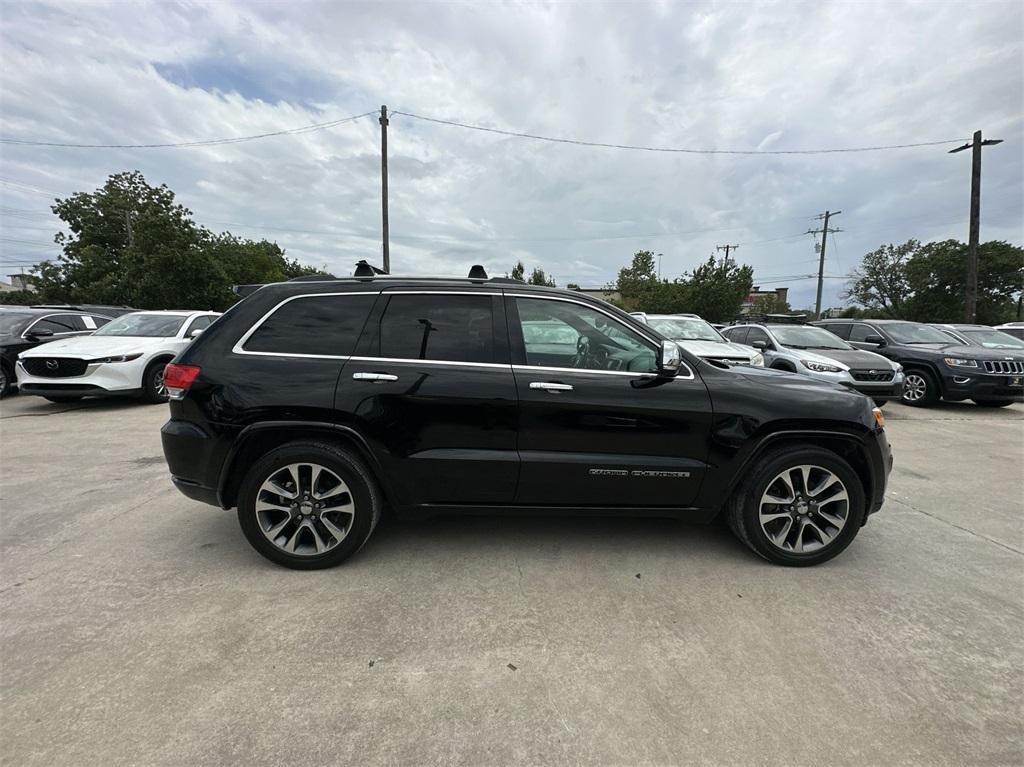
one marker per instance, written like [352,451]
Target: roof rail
[775,319]
[313,278]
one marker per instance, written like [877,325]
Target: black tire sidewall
[931,389]
[355,474]
[7,387]
[149,392]
[766,471]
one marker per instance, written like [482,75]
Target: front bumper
[99,379]
[880,459]
[967,384]
[881,391]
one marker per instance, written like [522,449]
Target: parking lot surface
[138,627]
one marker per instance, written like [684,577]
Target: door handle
[378,377]
[549,386]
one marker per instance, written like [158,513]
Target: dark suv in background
[936,365]
[311,405]
[25,327]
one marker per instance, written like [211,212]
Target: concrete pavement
[138,627]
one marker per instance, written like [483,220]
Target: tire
[6,380]
[920,389]
[273,469]
[992,402]
[62,400]
[744,507]
[153,389]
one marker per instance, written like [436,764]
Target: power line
[182,144]
[580,142]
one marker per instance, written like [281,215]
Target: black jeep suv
[310,406]
[936,365]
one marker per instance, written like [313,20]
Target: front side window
[756,334]
[860,332]
[318,325]
[568,335]
[200,323]
[445,328]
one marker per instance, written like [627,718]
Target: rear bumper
[191,457]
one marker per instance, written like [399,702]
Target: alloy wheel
[803,509]
[304,509]
[914,387]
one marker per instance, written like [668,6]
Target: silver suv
[814,352]
[698,337]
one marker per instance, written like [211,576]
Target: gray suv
[814,352]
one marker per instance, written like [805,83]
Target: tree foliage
[130,243]
[926,282]
[769,304]
[537,275]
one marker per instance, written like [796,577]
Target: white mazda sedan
[125,356]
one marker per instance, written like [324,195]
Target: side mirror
[39,335]
[669,359]
[760,345]
[195,333]
[873,339]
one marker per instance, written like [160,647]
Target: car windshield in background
[685,329]
[993,339]
[909,333]
[145,325]
[807,337]
[12,323]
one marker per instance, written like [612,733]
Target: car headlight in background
[820,367]
[960,362]
[899,369]
[116,358]
[758,360]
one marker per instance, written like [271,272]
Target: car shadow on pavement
[941,409]
[31,405]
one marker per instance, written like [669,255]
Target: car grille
[54,367]
[732,360]
[872,375]
[1004,366]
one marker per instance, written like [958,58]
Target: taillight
[179,378]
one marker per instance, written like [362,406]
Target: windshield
[807,337]
[147,325]
[685,329]
[912,333]
[12,323]
[992,339]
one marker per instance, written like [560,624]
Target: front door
[596,427]
[431,386]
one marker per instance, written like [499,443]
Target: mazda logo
[51,364]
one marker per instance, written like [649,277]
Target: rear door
[431,386]
[596,427]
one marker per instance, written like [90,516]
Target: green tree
[770,304]
[716,291]
[537,277]
[637,279]
[880,282]
[519,272]
[937,276]
[130,243]
[19,297]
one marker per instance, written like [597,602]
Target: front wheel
[992,402]
[920,389]
[798,506]
[308,505]
[153,388]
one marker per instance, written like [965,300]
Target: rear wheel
[308,505]
[992,402]
[153,388]
[798,506]
[920,389]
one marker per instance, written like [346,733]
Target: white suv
[125,356]
[698,337]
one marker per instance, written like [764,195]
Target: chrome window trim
[238,348]
[566,299]
[631,373]
[406,360]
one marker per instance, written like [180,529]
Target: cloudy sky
[740,76]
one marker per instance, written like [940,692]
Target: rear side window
[841,329]
[736,335]
[453,328]
[321,325]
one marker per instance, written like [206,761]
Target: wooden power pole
[727,249]
[971,289]
[821,259]
[386,234]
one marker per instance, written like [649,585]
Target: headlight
[820,367]
[960,362]
[757,359]
[118,358]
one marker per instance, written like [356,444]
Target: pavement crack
[520,582]
[41,415]
[958,527]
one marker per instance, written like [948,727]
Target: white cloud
[696,75]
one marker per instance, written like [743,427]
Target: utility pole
[824,231]
[128,222]
[384,187]
[659,265]
[971,290]
[726,248]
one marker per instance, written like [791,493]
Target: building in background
[779,294]
[18,282]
